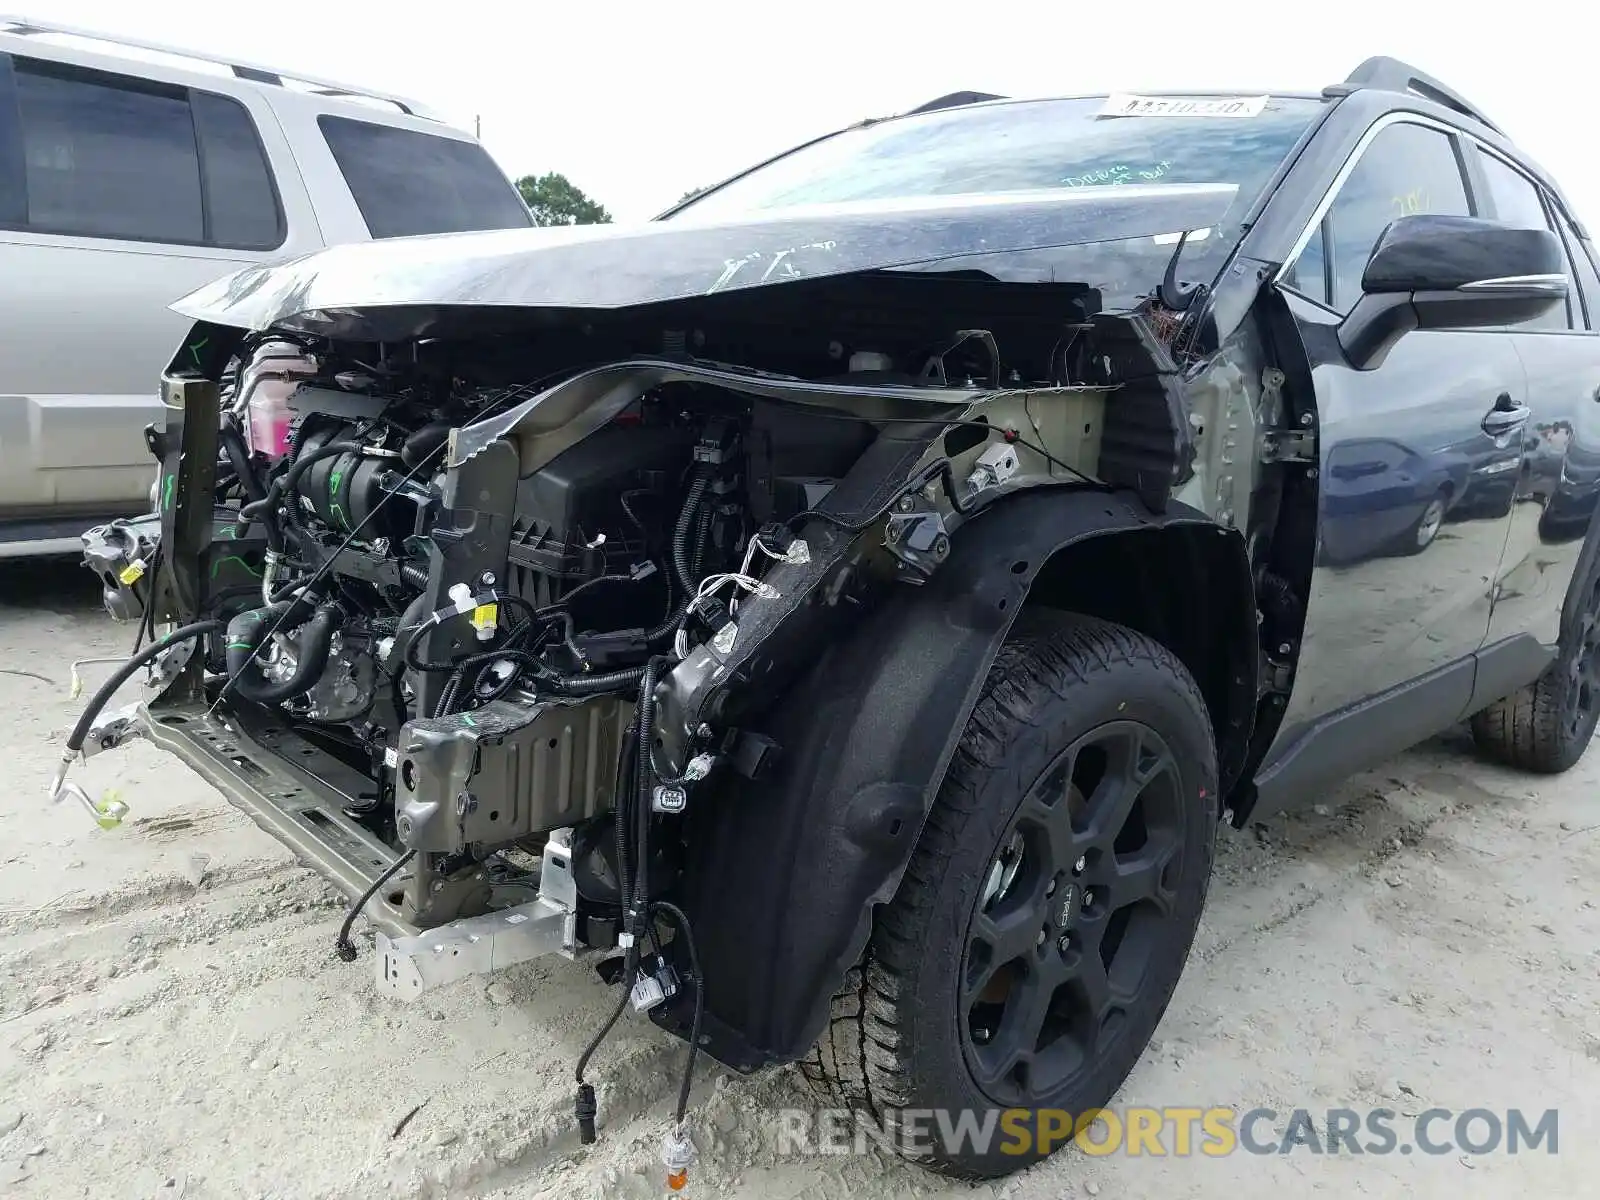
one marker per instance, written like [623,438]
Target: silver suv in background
[132,173]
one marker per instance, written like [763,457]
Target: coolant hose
[125,672]
[681,533]
[239,455]
[248,630]
[414,576]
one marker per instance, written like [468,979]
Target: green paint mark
[238,645]
[248,569]
[466,720]
[195,349]
[166,491]
[227,531]
[338,517]
[333,482]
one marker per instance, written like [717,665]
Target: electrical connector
[677,1155]
[586,1108]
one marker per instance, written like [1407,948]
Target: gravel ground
[174,1023]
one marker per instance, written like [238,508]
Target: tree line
[553,199]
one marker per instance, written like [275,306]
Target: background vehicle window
[13,199]
[105,160]
[241,202]
[407,183]
[1405,170]
[1519,202]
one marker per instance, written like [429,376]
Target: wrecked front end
[566,616]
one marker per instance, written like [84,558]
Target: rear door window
[1519,202]
[1581,251]
[241,198]
[406,182]
[91,154]
[108,160]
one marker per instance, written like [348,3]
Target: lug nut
[1050,888]
[1039,941]
[1088,898]
[1065,944]
[1077,867]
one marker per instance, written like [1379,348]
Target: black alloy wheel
[1071,912]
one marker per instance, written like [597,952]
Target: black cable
[681,919]
[681,531]
[342,945]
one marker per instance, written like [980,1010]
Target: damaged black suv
[846,606]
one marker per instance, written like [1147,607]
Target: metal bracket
[1289,446]
[409,966]
[112,728]
[915,533]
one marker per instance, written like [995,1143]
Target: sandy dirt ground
[174,1023]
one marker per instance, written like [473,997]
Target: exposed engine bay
[499,625]
[468,629]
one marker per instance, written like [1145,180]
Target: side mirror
[1435,272]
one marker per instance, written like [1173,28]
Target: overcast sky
[639,102]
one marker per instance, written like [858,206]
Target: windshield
[407,183]
[1034,145]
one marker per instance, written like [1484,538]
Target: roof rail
[953,100]
[1392,75]
[253,72]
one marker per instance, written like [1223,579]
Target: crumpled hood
[339,291]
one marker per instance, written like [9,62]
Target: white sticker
[391,757]
[1124,105]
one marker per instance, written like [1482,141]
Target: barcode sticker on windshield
[1123,105]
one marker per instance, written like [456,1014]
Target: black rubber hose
[680,533]
[125,672]
[424,443]
[248,630]
[342,945]
[239,456]
[414,576]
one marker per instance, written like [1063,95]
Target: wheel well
[1189,588]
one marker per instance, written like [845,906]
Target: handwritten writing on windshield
[1118,173]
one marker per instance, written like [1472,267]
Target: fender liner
[783,875]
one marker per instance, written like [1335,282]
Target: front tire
[1049,906]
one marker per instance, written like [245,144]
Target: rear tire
[1546,726]
[1041,926]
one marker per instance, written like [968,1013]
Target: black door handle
[1507,416]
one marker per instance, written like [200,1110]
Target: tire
[1067,696]
[1546,726]
[1421,532]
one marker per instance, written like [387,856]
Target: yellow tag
[132,573]
[485,615]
